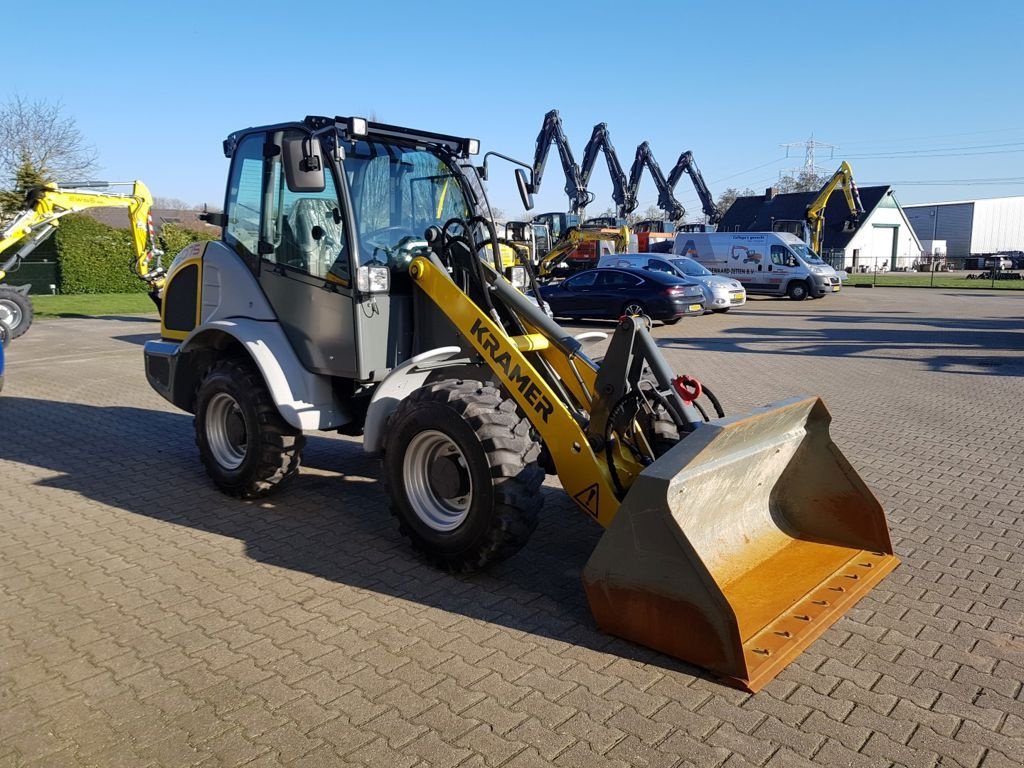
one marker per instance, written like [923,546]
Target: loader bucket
[741,545]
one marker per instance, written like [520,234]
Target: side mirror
[303,165]
[525,192]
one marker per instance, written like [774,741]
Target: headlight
[372,279]
[694,291]
[517,276]
[818,270]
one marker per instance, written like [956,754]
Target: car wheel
[634,309]
[720,311]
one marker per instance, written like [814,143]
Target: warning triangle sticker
[589,499]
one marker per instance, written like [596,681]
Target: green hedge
[93,257]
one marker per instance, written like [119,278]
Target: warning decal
[589,498]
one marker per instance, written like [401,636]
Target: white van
[772,263]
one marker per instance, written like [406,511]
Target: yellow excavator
[43,210]
[812,228]
[576,237]
[340,300]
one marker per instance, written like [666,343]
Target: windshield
[397,193]
[805,253]
[692,268]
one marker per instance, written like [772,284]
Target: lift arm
[686,164]
[843,177]
[45,206]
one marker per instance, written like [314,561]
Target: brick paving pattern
[147,620]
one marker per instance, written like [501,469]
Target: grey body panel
[229,288]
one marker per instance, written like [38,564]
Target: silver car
[720,293]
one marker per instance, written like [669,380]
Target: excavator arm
[574,238]
[686,164]
[843,178]
[673,209]
[600,141]
[45,206]
[551,133]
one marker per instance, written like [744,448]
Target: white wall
[998,225]
[875,243]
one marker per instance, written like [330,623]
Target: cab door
[301,257]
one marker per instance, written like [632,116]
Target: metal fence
[931,273]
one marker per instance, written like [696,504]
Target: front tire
[15,311]
[460,466]
[248,449]
[798,290]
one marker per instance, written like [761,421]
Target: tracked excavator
[44,208]
[811,229]
[342,297]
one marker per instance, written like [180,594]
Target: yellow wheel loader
[347,295]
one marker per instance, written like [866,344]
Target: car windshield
[805,253]
[692,268]
[397,193]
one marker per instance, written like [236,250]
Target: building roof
[757,213]
[118,218]
[963,202]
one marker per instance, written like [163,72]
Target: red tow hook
[687,388]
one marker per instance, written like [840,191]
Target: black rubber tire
[721,311]
[24,306]
[501,455]
[798,290]
[278,446]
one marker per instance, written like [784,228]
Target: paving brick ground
[147,620]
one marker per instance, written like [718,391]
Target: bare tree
[38,134]
[175,204]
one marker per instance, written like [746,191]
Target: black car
[612,293]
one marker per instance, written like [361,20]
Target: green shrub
[174,237]
[93,257]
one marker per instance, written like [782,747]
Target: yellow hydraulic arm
[843,177]
[45,206]
[574,238]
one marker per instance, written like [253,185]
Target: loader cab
[328,222]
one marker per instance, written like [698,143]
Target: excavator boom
[843,178]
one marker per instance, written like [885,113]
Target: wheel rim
[632,310]
[225,431]
[437,481]
[10,313]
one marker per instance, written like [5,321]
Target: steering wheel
[395,243]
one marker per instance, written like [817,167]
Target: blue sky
[911,92]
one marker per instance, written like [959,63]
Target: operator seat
[318,237]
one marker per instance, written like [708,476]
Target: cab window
[305,228]
[397,193]
[245,196]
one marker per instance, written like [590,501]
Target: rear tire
[248,449]
[15,311]
[798,290]
[460,466]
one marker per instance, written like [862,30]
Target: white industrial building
[971,227]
